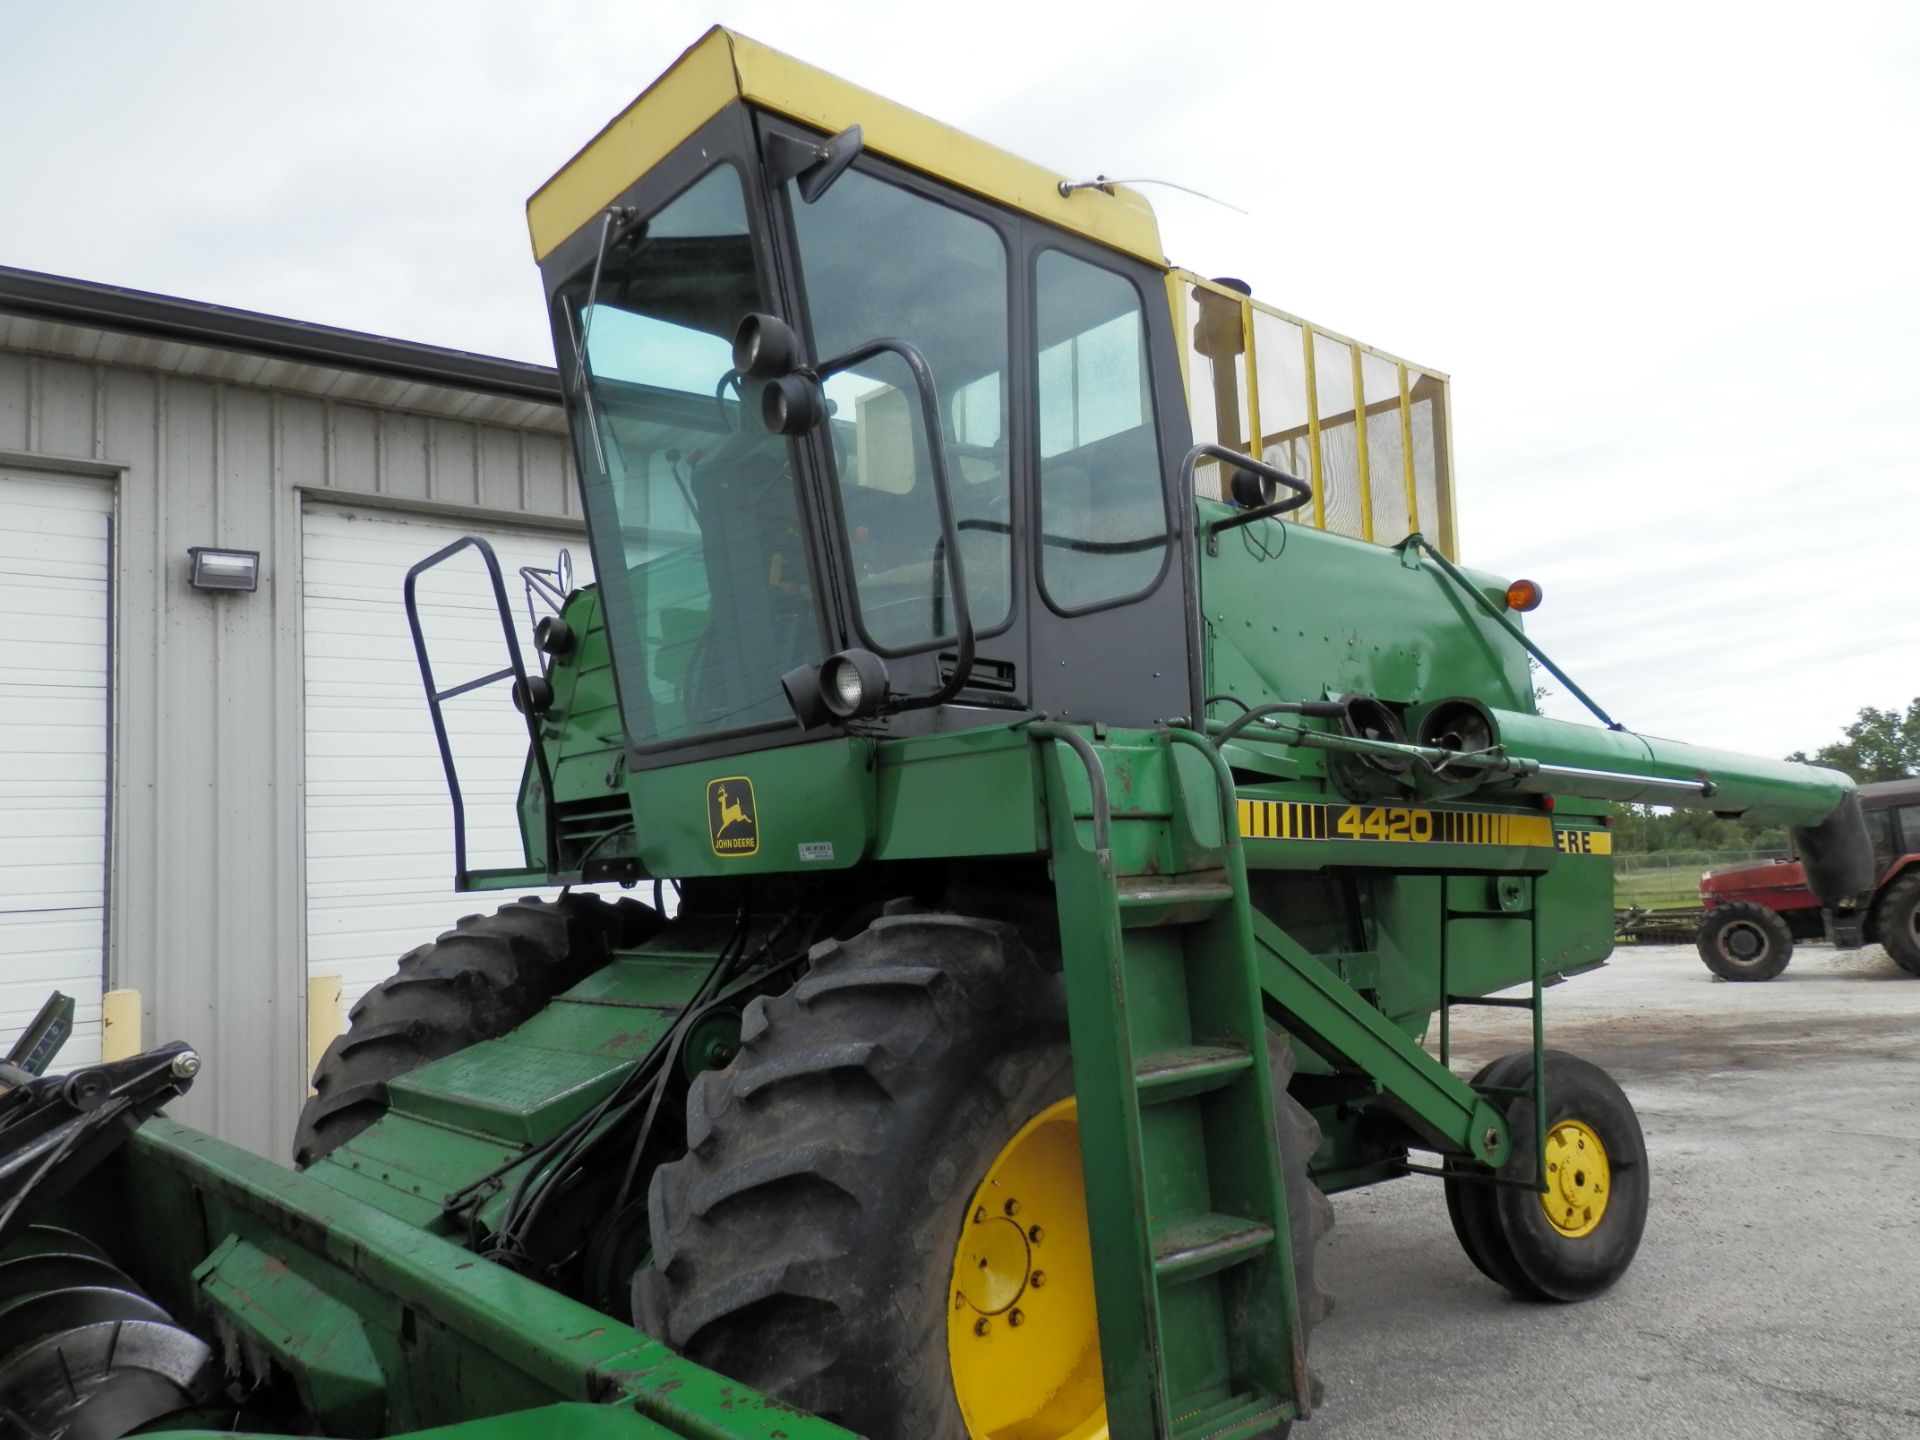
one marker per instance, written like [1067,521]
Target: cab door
[1061,413]
[1113,614]
[886,253]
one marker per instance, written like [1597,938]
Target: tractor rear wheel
[1742,940]
[484,977]
[818,1240]
[1898,921]
[1578,1238]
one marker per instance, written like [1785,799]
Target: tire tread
[487,975]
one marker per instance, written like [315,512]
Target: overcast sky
[1670,254]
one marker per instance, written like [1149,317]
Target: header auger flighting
[1082,804]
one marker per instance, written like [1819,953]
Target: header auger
[1087,773]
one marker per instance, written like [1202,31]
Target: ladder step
[1162,1075]
[1194,1245]
[1158,900]
[1241,1418]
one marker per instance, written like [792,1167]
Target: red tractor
[1756,911]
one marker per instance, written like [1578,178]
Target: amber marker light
[1523,595]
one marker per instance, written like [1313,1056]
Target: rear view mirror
[1251,491]
[816,167]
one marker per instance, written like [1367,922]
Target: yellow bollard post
[323,1017]
[119,1024]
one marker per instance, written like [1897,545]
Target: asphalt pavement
[1777,1291]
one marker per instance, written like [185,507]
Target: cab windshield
[696,521]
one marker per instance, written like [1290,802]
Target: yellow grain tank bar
[724,66]
[1371,430]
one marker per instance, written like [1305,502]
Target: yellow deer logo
[733,820]
[730,813]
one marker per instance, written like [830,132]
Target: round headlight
[848,692]
[765,346]
[792,405]
[853,683]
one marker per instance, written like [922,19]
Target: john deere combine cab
[1089,783]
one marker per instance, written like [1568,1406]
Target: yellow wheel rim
[1579,1180]
[1022,1337]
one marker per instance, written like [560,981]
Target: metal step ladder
[1193,1265]
[1533,1002]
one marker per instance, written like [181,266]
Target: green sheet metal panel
[470,1340]
[1295,613]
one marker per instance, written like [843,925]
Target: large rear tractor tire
[1745,941]
[880,1217]
[1577,1239]
[1898,920]
[484,977]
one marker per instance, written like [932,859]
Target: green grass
[1657,887]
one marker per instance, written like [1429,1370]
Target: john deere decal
[731,818]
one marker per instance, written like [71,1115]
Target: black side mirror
[1251,491]
[816,167]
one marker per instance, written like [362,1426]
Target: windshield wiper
[616,216]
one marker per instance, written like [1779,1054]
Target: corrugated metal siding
[79,342]
[205,886]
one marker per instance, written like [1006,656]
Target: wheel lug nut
[1016,1318]
[1036,1234]
[982,1325]
[980,1215]
[1039,1279]
[1013,1207]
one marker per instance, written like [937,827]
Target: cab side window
[1103,511]
[1908,840]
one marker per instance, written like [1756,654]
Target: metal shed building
[206,797]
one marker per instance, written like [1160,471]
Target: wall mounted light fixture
[210,568]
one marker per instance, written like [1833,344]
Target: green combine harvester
[1081,799]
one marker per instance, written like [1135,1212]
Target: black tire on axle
[484,977]
[805,1243]
[1470,1202]
[1742,940]
[1508,1231]
[1897,919]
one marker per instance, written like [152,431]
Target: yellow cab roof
[723,67]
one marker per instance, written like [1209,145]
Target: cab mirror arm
[793,403]
[943,501]
[1300,492]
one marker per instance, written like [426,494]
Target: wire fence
[1670,879]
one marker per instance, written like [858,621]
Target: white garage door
[55,548]
[379,827]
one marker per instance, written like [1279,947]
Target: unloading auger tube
[1464,747]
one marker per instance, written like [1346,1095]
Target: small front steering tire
[1745,941]
[1575,1237]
